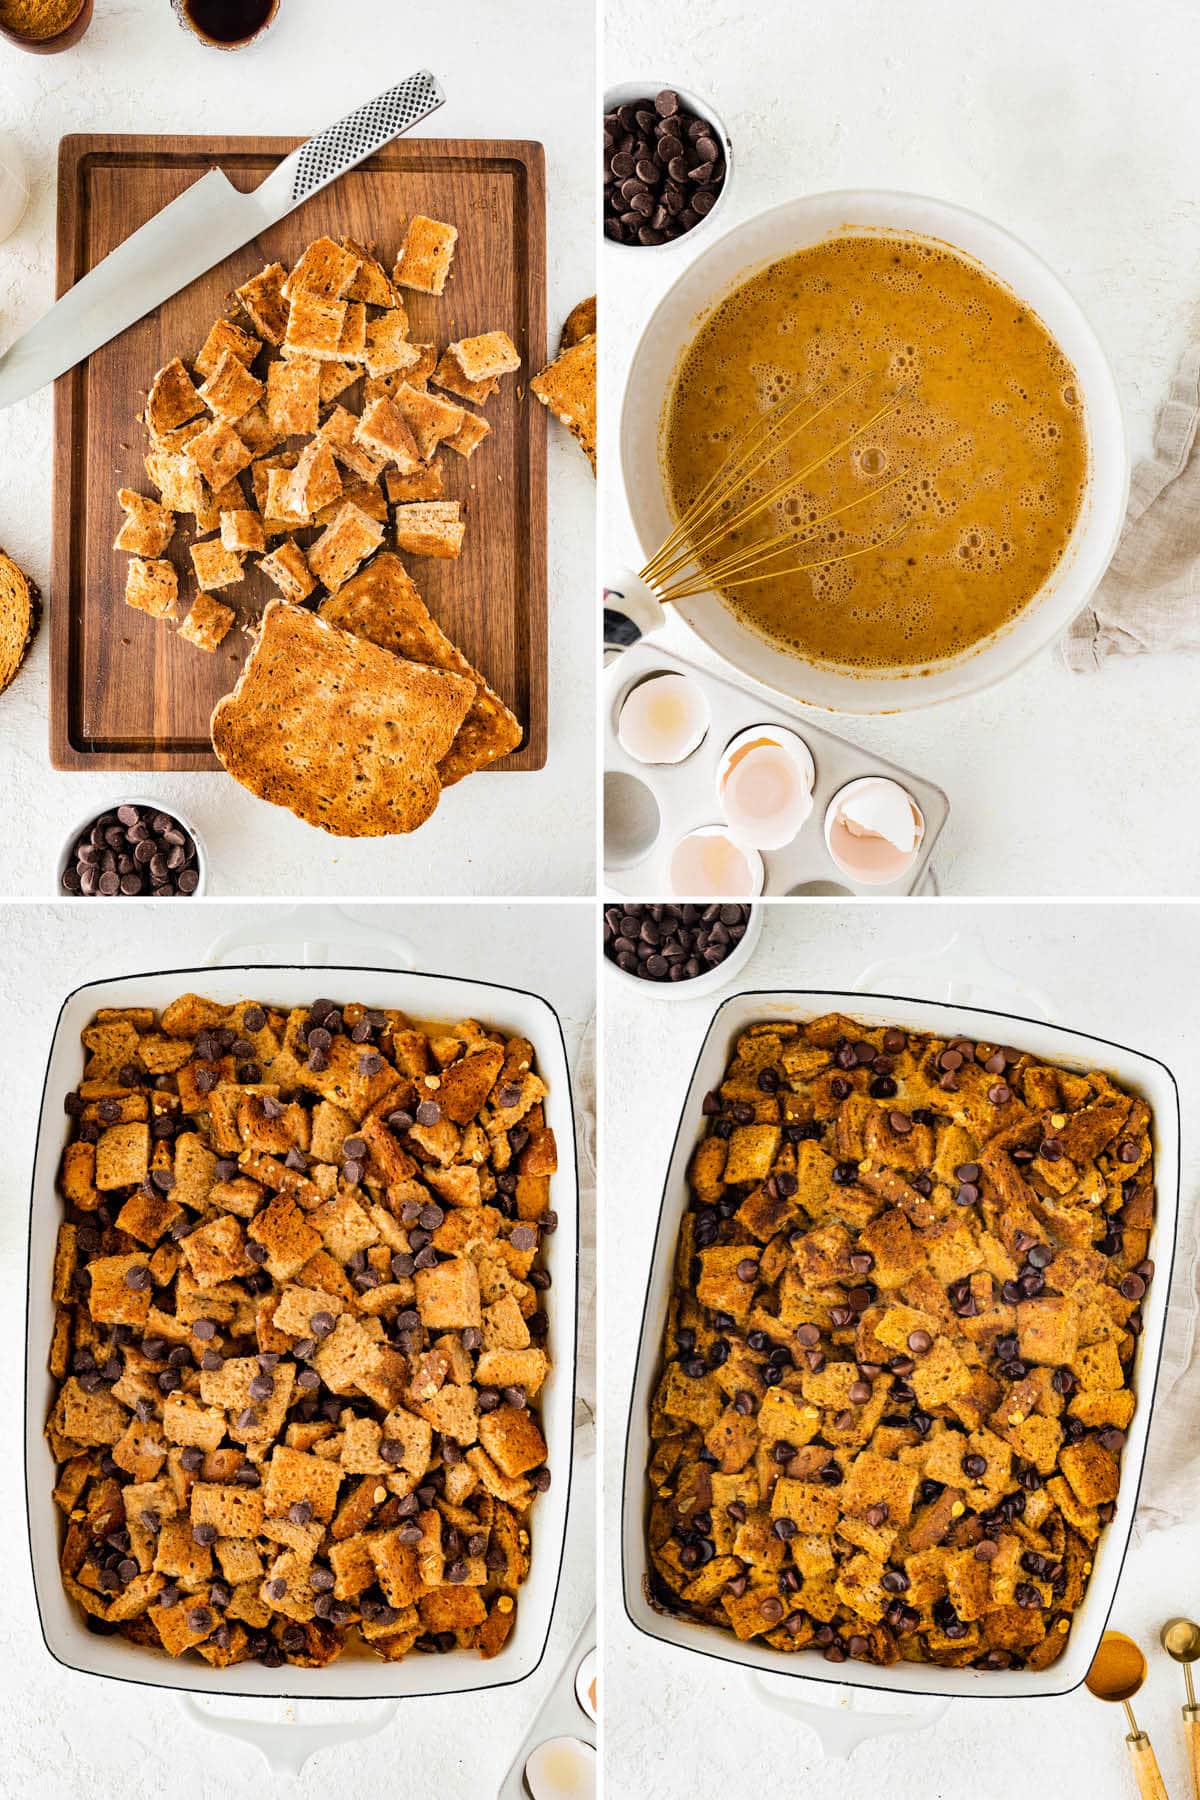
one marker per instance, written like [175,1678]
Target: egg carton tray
[560,1715]
[642,824]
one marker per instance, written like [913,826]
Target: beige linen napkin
[1171,1485]
[1149,598]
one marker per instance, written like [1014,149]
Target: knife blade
[197,230]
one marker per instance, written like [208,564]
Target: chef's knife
[195,232]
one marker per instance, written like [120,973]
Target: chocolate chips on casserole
[897,1367]
[299,1334]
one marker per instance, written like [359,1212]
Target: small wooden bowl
[62,40]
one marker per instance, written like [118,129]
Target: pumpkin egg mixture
[939,483]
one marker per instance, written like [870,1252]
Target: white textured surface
[1114,971]
[73,1734]
[1075,126]
[135,70]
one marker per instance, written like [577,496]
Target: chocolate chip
[428,1112]
[919,1342]
[300,1512]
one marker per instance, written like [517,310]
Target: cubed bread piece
[153,587]
[314,483]
[384,431]
[449,375]
[387,347]
[430,528]
[314,327]
[486,357]
[242,531]
[426,483]
[231,390]
[218,455]
[172,400]
[215,566]
[294,395]
[263,303]
[430,420]
[371,283]
[425,255]
[148,526]
[448,1295]
[512,1438]
[343,545]
[226,339]
[340,433]
[208,623]
[469,436]
[325,268]
[287,567]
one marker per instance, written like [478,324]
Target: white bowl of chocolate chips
[133,849]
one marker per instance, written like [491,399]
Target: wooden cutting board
[126,691]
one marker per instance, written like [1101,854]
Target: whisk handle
[631,611]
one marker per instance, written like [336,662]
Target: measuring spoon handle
[1145,1768]
[1191,1733]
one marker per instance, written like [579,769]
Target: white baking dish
[1142,1073]
[352,1677]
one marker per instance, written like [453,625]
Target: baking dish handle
[962,972]
[317,933]
[287,1746]
[842,1729]
[631,611]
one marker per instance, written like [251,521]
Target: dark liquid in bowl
[229,21]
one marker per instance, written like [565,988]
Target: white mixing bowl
[794,226]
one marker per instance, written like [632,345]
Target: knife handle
[368,128]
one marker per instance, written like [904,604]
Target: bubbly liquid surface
[974,477]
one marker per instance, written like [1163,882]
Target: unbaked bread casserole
[897,1368]
[299,1331]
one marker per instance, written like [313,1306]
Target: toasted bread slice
[469,435]
[568,388]
[429,419]
[217,455]
[344,734]
[20,616]
[382,604]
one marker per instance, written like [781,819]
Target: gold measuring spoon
[1117,1672]
[1180,1638]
